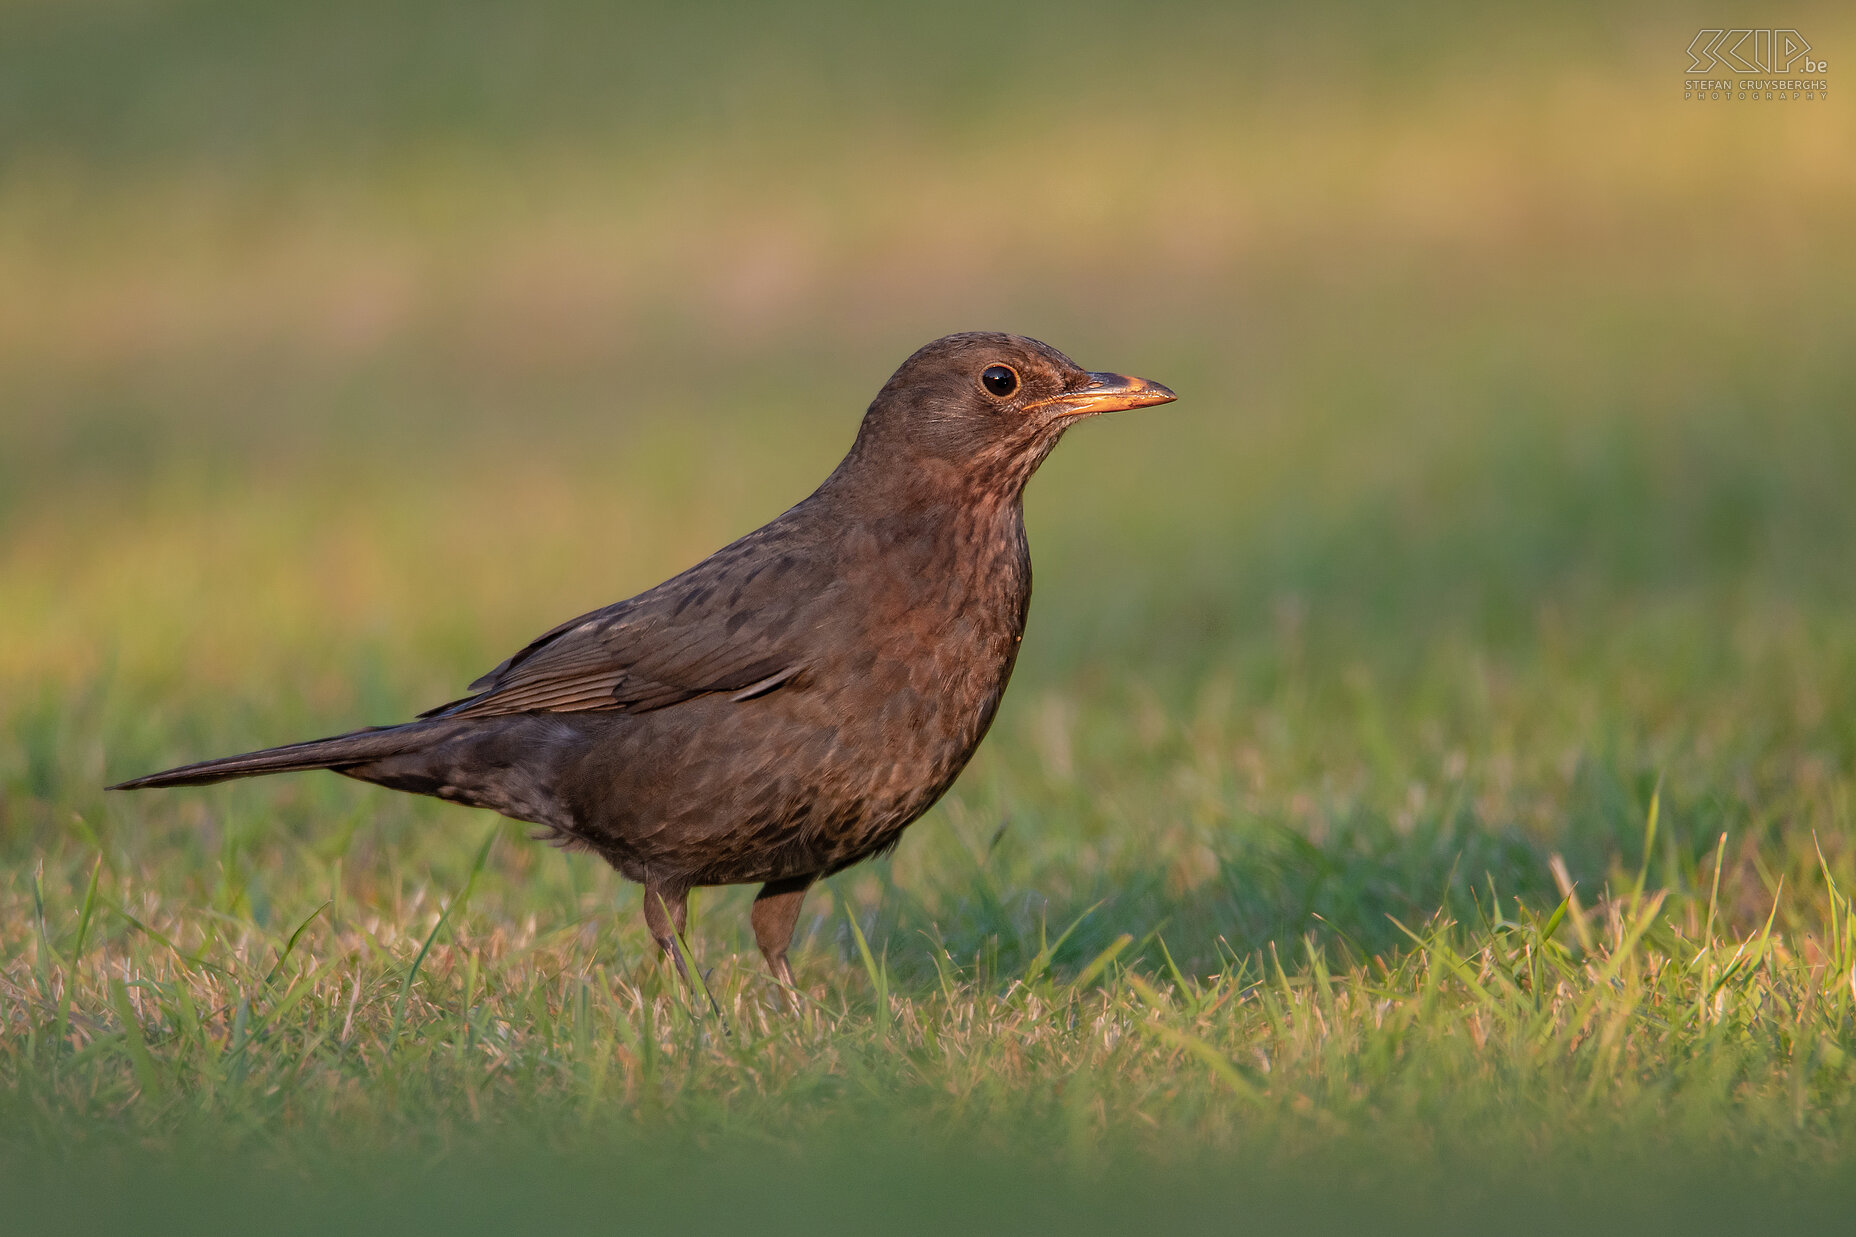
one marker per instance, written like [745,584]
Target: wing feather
[734,623]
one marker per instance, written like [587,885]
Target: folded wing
[738,622]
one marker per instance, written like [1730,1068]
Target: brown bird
[786,707]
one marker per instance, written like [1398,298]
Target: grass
[1502,546]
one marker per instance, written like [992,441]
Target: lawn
[1425,797]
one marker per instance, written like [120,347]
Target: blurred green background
[344,347]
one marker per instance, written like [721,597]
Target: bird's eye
[1000,380]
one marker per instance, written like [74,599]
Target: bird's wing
[737,622]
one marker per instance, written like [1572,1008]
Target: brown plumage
[786,707]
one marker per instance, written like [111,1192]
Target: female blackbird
[786,707]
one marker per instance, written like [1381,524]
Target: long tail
[356,747]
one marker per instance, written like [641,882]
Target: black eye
[1000,380]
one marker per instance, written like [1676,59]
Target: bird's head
[982,409]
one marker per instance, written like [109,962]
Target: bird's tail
[344,750]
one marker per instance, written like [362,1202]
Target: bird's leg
[776,910]
[665,909]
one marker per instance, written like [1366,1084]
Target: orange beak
[1113,393]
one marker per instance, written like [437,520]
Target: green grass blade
[412,972]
